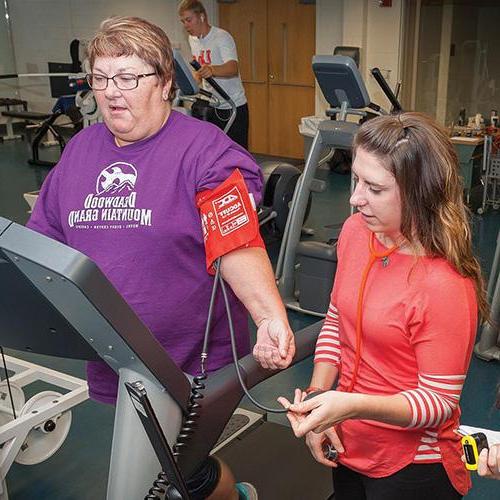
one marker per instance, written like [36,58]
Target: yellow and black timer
[472,445]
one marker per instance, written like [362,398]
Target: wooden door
[246,20]
[276,42]
[291,39]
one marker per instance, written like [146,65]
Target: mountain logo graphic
[119,177]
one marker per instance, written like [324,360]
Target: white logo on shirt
[114,206]
[116,178]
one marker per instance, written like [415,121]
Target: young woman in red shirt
[401,325]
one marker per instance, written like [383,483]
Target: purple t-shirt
[132,210]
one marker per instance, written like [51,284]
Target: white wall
[383,47]
[43,29]
[8,88]
[329,34]
[362,23]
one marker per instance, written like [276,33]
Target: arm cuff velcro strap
[229,219]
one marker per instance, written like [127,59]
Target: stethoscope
[374,256]
[329,451]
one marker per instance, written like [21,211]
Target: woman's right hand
[489,462]
[315,442]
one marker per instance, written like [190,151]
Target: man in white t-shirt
[215,51]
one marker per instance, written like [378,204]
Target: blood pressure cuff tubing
[229,219]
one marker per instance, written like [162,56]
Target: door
[276,42]
[246,20]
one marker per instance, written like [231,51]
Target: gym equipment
[75,100]
[488,347]
[45,122]
[54,300]
[219,90]
[280,178]
[190,91]
[43,440]
[305,270]
[491,173]
[32,431]
[349,51]
[65,92]
[85,101]
[8,103]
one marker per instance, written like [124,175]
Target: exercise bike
[305,269]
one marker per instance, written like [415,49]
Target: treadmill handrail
[211,81]
[223,394]
[377,74]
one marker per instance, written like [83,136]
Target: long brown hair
[418,152]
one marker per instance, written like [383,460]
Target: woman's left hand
[275,346]
[321,412]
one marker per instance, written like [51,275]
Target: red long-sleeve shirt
[419,323]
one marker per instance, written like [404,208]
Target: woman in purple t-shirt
[124,193]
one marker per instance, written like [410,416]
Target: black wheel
[341,162]
[280,180]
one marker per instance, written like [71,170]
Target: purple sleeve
[217,169]
[45,218]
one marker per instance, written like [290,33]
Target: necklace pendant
[385,261]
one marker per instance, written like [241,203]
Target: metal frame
[14,433]
[60,303]
[330,134]
[491,177]
[488,347]
[345,91]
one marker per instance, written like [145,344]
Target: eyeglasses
[123,81]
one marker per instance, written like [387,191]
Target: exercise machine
[190,91]
[74,100]
[65,92]
[305,270]
[11,105]
[56,301]
[280,178]
[32,431]
[488,347]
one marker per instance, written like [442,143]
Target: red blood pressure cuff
[229,219]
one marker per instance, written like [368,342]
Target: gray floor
[78,471]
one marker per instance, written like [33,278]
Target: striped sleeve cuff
[328,343]
[433,402]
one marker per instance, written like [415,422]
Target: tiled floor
[78,471]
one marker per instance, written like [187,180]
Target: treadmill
[55,301]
